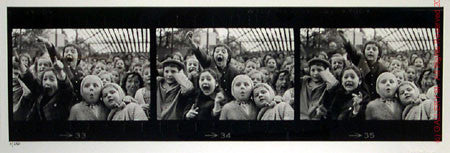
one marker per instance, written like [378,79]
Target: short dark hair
[132,74]
[380,50]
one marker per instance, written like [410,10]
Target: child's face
[192,65]
[418,63]
[106,78]
[49,82]
[177,57]
[337,64]
[395,65]
[261,96]
[91,91]
[70,54]
[400,76]
[411,74]
[281,82]
[137,69]
[99,68]
[249,67]
[371,52]
[407,94]
[350,80]
[115,76]
[256,78]
[24,60]
[111,97]
[132,85]
[315,72]
[120,65]
[169,71]
[15,76]
[43,64]
[265,74]
[271,64]
[242,89]
[221,56]
[146,76]
[387,86]
[207,83]
[428,80]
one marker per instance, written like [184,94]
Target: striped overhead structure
[398,39]
[253,39]
[116,40]
[264,39]
[408,39]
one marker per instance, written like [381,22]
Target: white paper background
[228,147]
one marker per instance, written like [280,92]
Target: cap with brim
[318,60]
[171,61]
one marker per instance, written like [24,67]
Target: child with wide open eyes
[416,108]
[91,108]
[142,96]
[350,100]
[50,91]
[263,96]
[123,108]
[387,106]
[242,107]
[208,103]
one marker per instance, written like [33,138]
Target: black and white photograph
[368,74]
[80,75]
[225,74]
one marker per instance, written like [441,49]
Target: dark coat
[340,105]
[75,74]
[45,108]
[225,75]
[205,106]
[370,72]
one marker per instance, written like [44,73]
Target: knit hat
[416,90]
[89,77]
[268,87]
[239,77]
[384,74]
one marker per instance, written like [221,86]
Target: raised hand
[190,40]
[327,76]
[43,40]
[357,99]
[193,112]
[341,34]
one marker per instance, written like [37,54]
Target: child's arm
[202,57]
[224,113]
[217,104]
[139,114]
[185,83]
[351,51]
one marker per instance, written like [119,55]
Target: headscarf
[384,74]
[119,90]
[238,77]
[416,91]
[95,78]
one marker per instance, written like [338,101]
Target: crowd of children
[368,85]
[218,86]
[64,86]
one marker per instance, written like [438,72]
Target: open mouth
[206,87]
[388,90]
[219,59]
[191,69]
[348,84]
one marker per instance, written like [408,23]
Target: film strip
[155,34]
